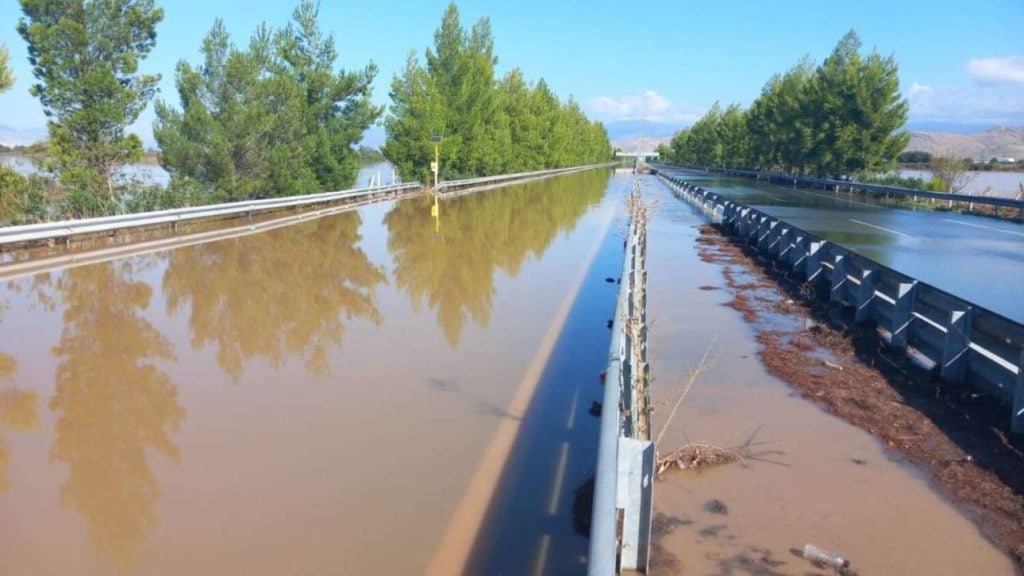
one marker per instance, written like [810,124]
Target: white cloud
[916,88]
[658,108]
[1009,70]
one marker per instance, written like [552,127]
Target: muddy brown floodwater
[805,476]
[332,397]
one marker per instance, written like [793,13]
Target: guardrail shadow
[529,527]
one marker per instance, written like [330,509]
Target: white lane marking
[452,555]
[556,493]
[992,228]
[881,228]
[542,555]
[572,410]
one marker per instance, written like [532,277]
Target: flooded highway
[807,476]
[357,393]
[973,257]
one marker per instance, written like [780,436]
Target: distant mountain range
[14,137]
[625,134]
[998,142]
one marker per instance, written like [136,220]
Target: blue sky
[960,62]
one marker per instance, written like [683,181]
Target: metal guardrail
[16,235]
[15,269]
[809,182]
[625,462]
[457,187]
[66,229]
[965,342]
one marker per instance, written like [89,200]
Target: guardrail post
[798,253]
[635,485]
[812,263]
[764,231]
[782,247]
[729,214]
[865,295]
[902,313]
[838,278]
[956,349]
[771,244]
[1017,418]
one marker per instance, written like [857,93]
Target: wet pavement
[326,397]
[806,477]
[976,258]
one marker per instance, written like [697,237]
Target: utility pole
[643,134]
[436,164]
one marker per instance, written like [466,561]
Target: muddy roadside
[958,435]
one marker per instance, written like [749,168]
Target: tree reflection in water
[450,268]
[19,410]
[113,405]
[277,294]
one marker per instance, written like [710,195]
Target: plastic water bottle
[822,556]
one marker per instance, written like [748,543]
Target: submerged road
[388,389]
[976,258]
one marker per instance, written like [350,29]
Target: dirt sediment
[958,435]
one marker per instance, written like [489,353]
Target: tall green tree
[487,125]
[338,107]
[416,114]
[544,106]
[840,118]
[85,55]
[857,109]
[780,128]
[275,119]
[6,76]
[735,137]
[462,67]
[524,133]
[704,143]
[680,145]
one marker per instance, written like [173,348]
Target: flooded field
[382,172]
[344,395]
[804,476]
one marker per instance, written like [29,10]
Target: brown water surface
[809,477]
[314,399]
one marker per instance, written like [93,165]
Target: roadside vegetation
[276,116]
[948,174]
[272,119]
[486,125]
[837,119]
[918,160]
[841,119]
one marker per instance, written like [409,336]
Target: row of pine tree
[840,118]
[273,117]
